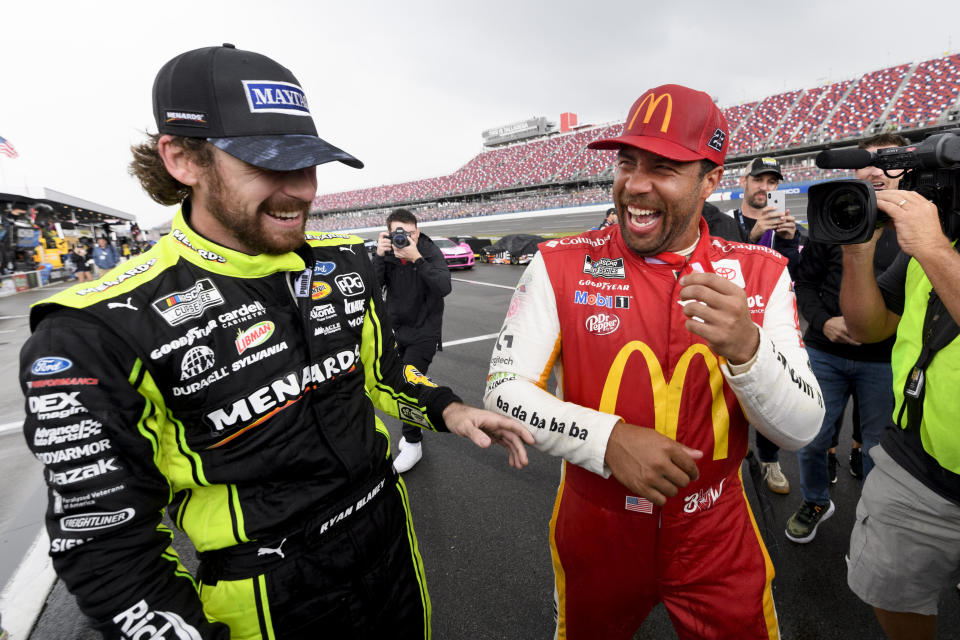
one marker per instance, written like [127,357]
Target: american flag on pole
[641,505]
[7,149]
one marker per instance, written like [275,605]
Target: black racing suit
[414,296]
[237,391]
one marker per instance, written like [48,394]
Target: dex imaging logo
[266,96]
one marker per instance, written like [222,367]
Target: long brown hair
[147,167]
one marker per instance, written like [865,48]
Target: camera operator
[905,545]
[763,224]
[843,366]
[414,273]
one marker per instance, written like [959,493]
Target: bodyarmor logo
[703,499]
[350,284]
[180,306]
[654,101]
[602,324]
[140,623]
[604,267]
[265,96]
[667,395]
[254,336]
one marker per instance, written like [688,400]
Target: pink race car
[458,256]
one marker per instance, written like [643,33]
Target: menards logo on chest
[254,336]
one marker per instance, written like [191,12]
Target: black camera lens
[842,211]
[399,239]
[846,209]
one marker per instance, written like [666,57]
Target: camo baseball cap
[245,104]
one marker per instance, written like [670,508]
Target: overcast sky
[407,86]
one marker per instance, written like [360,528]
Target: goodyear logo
[265,96]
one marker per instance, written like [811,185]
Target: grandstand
[557,170]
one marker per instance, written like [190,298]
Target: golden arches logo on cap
[652,101]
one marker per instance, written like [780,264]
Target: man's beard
[248,229]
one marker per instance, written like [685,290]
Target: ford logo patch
[47,366]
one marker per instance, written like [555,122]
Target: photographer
[905,545]
[843,365]
[414,273]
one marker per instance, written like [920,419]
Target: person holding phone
[764,224]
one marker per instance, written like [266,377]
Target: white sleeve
[779,393]
[527,349]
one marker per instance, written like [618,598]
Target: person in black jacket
[842,364]
[415,276]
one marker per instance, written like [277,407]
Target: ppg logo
[350,284]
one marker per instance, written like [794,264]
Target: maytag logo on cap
[265,96]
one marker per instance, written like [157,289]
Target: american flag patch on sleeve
[641,505]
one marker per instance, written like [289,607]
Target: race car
[517,248]
[458,256]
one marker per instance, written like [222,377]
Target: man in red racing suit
[654,323]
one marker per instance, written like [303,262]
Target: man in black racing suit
[230,374]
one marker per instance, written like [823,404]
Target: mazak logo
[320,290]
[79,474]
[254,336]
[350,284]
[49,366]
[182,238]
[602,324]
[94,521]
[354,306]
[703,499]
[322,312]
[194,334]
[265,96]
[55,405]
[180,306]
[652,101]
[324,268]
[604,267]
[140,623]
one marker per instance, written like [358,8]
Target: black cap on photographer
[760,166]
[245,104]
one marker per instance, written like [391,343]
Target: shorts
[905,544]
[361,579]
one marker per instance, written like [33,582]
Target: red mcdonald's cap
[675,122]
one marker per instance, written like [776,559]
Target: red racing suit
[610,326]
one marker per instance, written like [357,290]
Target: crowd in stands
[896,98]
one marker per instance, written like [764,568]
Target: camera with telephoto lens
[400,238]
[845,211]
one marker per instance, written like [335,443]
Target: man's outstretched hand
[649,463]
[483,427]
